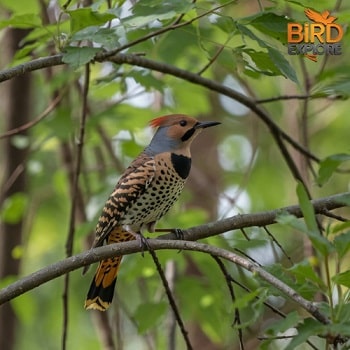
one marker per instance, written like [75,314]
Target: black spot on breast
[181,164]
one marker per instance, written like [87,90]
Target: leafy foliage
[308,102]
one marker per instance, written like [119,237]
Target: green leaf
[78,56]
[262,61]
[85,33]
[329,165]
[86,17]
[29,20]
[14,208]
[280,272]
[146,7]
[282,325]
[175,44]
[20,6]
[305,288]
[149,315]
[306,208]
[287,219]
[342,278]
[340,227]
[318,241]
[342,312]
[147,11]
[246,299]
[147,79]
[303,271]
[107,37]
[307,329]
[342,244]
[246,31]
[282,64]
[271,24]
[225,23]
[275,56]
[338,87]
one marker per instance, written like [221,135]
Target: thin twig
[173,26]
[171,299]
[240,251]
[170,274]
[71,230]
[278,245]
[237,318]
[278,133]
[171,70]
[10,181]
[216,55]
[34,122]
[334,216]
[284,97]
[268,305]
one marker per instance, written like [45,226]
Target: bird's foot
[179,234]
[144,245]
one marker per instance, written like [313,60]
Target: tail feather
[101,291]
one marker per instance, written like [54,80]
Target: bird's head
[175,133]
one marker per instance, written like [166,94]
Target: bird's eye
[183,122]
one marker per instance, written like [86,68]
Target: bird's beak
[203,125]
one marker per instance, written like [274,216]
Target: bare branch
[72,217]
[175,25]
[211,85]
[32,123]
[237,317]
[171,70]
[171,299]
[259,219]
[74,262]
[39,63]
[284,97]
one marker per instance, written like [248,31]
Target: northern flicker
[144,193]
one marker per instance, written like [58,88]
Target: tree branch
[165,242]
[72,216]
[211,85]
[52,105]
[260,219]
[39,63]
[166,69]
[74,262]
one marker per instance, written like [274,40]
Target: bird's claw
[179,234]
[144,245]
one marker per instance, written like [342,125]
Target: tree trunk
[16,97]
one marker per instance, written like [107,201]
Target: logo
[320,37]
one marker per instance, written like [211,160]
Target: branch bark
[125,248]
[167,242]
[194,78]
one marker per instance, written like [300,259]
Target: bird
[144,193]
